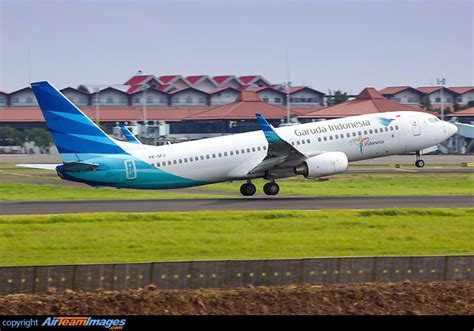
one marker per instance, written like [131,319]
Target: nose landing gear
[419,163]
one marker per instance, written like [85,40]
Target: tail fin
[128,135]
[72,131]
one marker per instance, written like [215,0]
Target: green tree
[41,137]
[10,136]
[425,102]
[338,97]
[470,104]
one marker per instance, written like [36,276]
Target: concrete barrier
[235,273]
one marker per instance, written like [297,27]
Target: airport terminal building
[178,108]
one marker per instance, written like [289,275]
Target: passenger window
[253,149]
[264,148]
[191,159]
[231,153]
[248,150]
[220,154]
[391,128]
[365,131]
[169,162]
[225,153]
[158,164]
[360,133]
[386,129]
[174,162]
[330,137]
[336,136]
[202,157]
[297,142]
[319,139]
[207,156]
[348,135]
[259,148]
[325,138]
[243,151]
[370,131]
[180,161]
[396,127]
[213,156]
[308,141]
[236,152]
[293,143]
[302,142]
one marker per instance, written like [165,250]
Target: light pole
[441,82]
[145,123]
[97,110]
[288,110]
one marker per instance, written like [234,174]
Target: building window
[83,100]
[176,100]
[123,100]
[396,99]
[459,99]
[413,100]
[149,100]
[265,99]
[277,100]
[3,99]
[29,100]
[202,100]
[189,99]
[162,100]
[15,100]
[136,100]
[449,99]
[109,100]
[438,100]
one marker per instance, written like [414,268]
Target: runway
[257,203]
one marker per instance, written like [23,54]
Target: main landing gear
[248,189]
[419,163]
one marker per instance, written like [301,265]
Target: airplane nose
[451,129]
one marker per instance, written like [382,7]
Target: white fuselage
[359,137]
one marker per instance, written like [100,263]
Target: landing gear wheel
[420,163]
[248,189]
[271,188]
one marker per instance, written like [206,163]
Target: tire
[248,189]
[271,188]
[420,163]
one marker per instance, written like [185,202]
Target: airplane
[313,150]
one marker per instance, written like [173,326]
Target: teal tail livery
[313,150]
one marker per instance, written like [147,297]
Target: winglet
[128,135]
[267,129]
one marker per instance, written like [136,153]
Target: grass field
[398,184]
[115,237]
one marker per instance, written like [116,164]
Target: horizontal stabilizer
[78,166]
[39,166]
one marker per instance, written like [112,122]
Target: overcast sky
[332,44]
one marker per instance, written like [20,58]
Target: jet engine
[324,164]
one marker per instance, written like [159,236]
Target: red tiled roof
[164,88]
[367,102]
[394,89]
[133,89]
[247,79]
[186,88]
[431,89]
[220,89]
[462,89]
[220,79]
[295,89]
[136,79]
[107,114]
[298,111]
[167,79]
[246,106]
[369,93]
[465,112]
[194,79]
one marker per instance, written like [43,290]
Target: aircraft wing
[128,135]
[66,166]
[280,153]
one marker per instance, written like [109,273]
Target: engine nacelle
[325,164]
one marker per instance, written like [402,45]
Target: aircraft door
[130,170]
[415,126]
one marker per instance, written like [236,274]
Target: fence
[236,273]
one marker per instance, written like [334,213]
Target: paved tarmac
[256,203]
